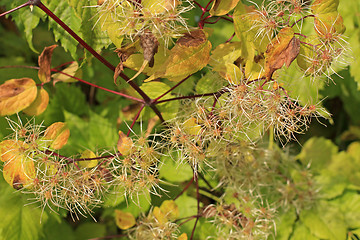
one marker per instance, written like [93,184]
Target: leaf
[329,23]
[311,154]
[58,134]
[72,69]
[175,172]
[190,54]
[325,221]
[210,82]
[19,221]
[283,49]
[170,209]
[88,163]
[88,230]
[285,224]
[39,105]
[44,61]
[124,220]
[124,144]
[16,95]
[301,232]
[19,170]
[222,7]
[349,204]
[324,6]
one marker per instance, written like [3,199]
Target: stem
[185,188]
[95,54]
[99,87]
[198,205]
[135,118]
[302,19]
[14,9]
[155,100]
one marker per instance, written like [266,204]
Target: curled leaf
[124,144]
[283,49]
[39,105]
[44,61]
[58,134]
[124,220]
[16,95]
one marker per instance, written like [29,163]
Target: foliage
[210,138]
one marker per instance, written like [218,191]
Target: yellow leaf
[88,163]
[58,134]
[124,144]
[19,170]
[329,23]
[222,7]
[159,215]
[44,64]
[170,209]
[190,54]
[191,127]
[16,95]
[72,69]
[183,237]
[124,220]
[39,105]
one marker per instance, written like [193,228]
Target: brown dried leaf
[39,105]
[16,95]
[123,54]
[45,64]
[150,45]
[283,49]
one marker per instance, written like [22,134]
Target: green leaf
[317,152]
[349,204]
[93,133]
[285,224]
[301,232]
[57,229]
[325,221]
[19,222]
[71,98]
[210,82]
[175,172]
[90,230]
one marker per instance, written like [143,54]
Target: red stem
[135,118]
[14,9]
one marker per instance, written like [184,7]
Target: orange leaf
[283,49]
[39,105]
[44,61]
[58,134]
[124,220]
[19,169]
[16,95]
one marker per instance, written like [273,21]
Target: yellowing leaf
[39,105]
[283,49]
[159,215]
[124,144]
[190,54]
[72,69]
[44,64]
[170,209]
[16,95]
[222,7]
[191,127]
[183,237]
[324,6]
[88,163]
[329,23]
[124,220]
[19,170]
[58,134]
[159,6]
